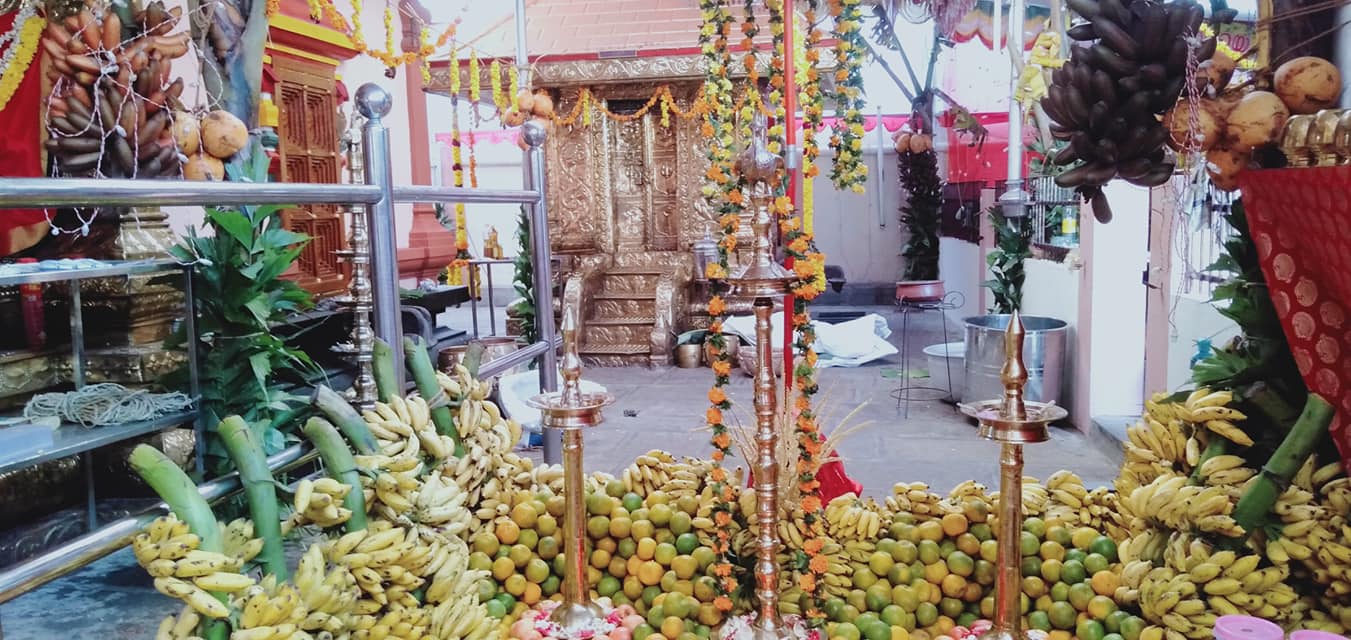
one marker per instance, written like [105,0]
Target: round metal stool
[908,390]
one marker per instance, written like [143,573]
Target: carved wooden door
[309,153]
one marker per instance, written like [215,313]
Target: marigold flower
[723,603]
[718,474]
[811,504]
[722,368]
[706,129]
[819,564]
[807,582]
[722,440]
[715,271]
[713,415]
[722,518]
[717,456]
[727,495]
[734,196]
[716,306]
[813,546]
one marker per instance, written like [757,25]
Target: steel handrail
[21,193]
[54,563]
[428,194]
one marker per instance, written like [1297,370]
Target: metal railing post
[374,103]
[535,134]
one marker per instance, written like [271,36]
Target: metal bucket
[1043,356]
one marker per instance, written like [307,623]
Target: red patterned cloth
[1300,220]
[20,147]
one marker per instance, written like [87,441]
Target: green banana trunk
[424,377]
[382,366]
[1253,507]
[333,405]
[260,488]
[341,466]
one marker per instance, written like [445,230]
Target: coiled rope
[105,404]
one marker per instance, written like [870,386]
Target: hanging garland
[22,41]
[849,171]
[353,30]
[713,35]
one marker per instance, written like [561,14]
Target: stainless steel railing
[377,197]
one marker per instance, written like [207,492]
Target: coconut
[1223,164]
[204,167]
[1178,122]
[223,135]
[1218,70]
[525,101]
[187,133]
[1308,84]
[919,143]
[902,142]
[513,118]
[1257,120]
[543,106]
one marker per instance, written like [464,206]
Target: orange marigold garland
[713,38]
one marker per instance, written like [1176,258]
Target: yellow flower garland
[27,46]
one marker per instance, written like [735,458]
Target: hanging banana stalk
[382,367]
[335,407]
[1256,503]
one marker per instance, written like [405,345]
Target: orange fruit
[954,524]
[650,572]
[953,585]
[647,548]
[935,572]
[1105,583]
[507,532]
[672,627]
[634,564]
[532,594]
[930,530]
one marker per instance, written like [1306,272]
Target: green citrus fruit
[1095,562]
[1062,616]
[1039,620]
[1073,572]
[961,564]
[1089,630]
[1029,543]
[1035,526]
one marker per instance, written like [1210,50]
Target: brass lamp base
[1004,634]
[771,629]
[995,425]
[576,615]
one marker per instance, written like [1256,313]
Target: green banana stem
[341,466]
[424,376]
[382,366]
[260,488]
[333,405]
[1276,409]
[473,358]
[1253,507]
[1217,447]
[177,490]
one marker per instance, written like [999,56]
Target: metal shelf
[113,269]
[72,439]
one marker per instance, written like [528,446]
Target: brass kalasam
[1322,141]
[1294,140]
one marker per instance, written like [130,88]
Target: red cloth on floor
[1300,220]
[20,147]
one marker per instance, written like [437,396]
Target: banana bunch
[328,595]
[659,471]
[390,494]
[180,627]
[793,529]
[1171,502]
[440,504]
[237,541]
[461,618]
[1156,445]
[838,580]
[404,428]
[915,499]
[319,502]
[1228,473]
[1036,497]
[849,518]
[1147,545]
[169,553]
[1067,501]
[407,623]
[1104,513]
[376,557]
[270,610]
[1106,98]
[1210,409]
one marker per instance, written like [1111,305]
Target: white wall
[1120,251]
[1052,290]
[961,265]
[1193,319]
[851,229]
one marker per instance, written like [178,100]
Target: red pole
[794,173]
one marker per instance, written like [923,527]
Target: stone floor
[655,408]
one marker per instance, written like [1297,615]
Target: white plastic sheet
[516,391]
[847,344]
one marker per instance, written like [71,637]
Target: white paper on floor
[516,391]
[847,344]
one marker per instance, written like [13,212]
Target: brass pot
[494,347]
[746,356]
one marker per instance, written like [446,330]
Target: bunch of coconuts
[112,98]
[526,105]
[1234,120]
[912,142]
